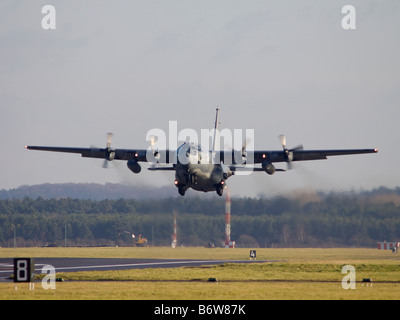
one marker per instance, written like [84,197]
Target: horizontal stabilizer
[161,168]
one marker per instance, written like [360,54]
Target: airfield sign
[24,269]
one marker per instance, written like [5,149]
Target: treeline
[307,219]
[93,191]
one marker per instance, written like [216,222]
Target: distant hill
[91,191]
[113,191]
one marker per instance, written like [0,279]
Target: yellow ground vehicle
[139,241]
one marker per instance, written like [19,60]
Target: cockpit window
[193,150]
[188,147]
[190,151]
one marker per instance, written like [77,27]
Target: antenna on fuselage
[216,128]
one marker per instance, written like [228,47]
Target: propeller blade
[282,138]
[288,154]
[244,147]
[110,153]
[153,144]
[246,143]
[153,141]
[299,147]
[109,139]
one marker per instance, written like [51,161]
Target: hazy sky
[130,66]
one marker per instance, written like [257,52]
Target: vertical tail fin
[216,130]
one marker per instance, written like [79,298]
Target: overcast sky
[130,66]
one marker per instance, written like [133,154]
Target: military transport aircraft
[204,170]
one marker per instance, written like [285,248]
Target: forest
[303,219]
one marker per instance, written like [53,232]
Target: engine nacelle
[134,166]
[268,167]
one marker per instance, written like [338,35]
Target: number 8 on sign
[24,269]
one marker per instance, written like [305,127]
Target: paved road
[98,264]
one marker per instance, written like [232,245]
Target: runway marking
[5,265]
[151,264]
[4,268]
[127,265]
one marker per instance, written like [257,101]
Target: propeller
[154,148]
[110,152]
[154,157]
[244,149]
[288,153]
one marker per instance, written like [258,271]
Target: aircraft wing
[304,155]
[139,155]
[101,153]
[260,156]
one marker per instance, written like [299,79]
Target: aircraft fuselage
[194,169]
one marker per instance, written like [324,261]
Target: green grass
[290,255]
[200,291]
[297,274]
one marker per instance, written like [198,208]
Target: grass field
[295,274]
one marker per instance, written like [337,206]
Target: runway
[98,264]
